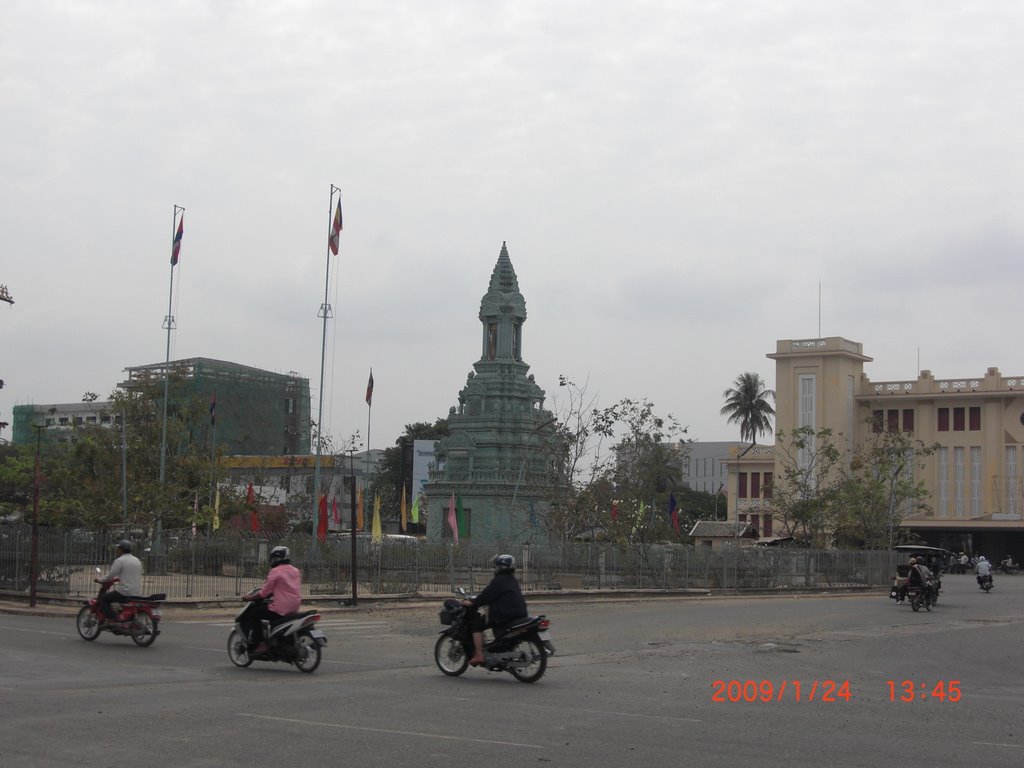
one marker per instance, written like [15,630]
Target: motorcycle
[985,582]
[139,617]
[522,650]
[293,639]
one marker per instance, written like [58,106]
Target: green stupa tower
[496,458]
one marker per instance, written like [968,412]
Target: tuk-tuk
[933,558]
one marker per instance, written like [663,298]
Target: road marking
[36,631]
[394,732]
[325,661]
[996,744]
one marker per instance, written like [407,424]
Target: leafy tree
[808,495]
[644,471]
[746,404]
[879,489]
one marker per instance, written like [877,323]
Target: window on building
[806,384]
[892,420]
[742,517]
[1011,479]
[943,419]
[755,485]
[975,481]
[767,525]
[755,520]
[742,479]
[63,421]
[90,419]
[908,419]
[876,421]
[49,422]
[974,418]
[942,457]
[767,485]
[105,419]
[958,481]
[958,419]
[289,406]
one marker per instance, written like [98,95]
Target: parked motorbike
[139,617]
[522,650]
[985,582]
[293,639]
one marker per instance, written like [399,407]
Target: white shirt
[984,568]
[128,569]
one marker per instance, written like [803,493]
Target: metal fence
[228,564]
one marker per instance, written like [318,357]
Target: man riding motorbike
[127,569]
[284,582]
[984,570]
[920,576]
[505,603]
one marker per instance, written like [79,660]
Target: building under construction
[252,411]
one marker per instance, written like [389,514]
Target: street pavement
[761,681]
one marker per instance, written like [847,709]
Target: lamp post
[351,450]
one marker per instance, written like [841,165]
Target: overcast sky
[674,181]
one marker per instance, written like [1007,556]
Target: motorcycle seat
[157,598]
[520,622]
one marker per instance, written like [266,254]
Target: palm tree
[746,403]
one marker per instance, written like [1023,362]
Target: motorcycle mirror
[98,570]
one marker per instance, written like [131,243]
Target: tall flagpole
[177,230]
[333,241]
[369,411]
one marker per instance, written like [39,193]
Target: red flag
[176,245]
[453,521]
[369,389]
[673,512]
[335,236]
[615,511]
[321,525]
[250,496]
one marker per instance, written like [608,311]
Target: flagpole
[326,314]
[169,325]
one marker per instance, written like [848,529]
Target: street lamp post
[33,568]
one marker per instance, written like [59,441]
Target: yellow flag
[359,511]
[416,510]
[376,536]
[403,509]
[215,523]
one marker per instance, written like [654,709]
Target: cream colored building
[974,477]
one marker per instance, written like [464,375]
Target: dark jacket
[503,598]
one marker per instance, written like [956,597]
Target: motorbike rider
[984,570]
[505,603]
[127,569]
[284,582]
[920,575]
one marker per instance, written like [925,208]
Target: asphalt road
[634,683]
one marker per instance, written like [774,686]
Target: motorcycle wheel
[309,652]
[143,629]
[238,649]
[915,603]
[532,648]
[87,624]
[928,605]
[450,656]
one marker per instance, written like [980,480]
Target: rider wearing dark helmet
[284,582]
[504,600]
[127,569]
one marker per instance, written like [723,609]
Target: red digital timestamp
[910,690]
[826,691]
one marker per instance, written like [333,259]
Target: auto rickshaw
[933,558]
